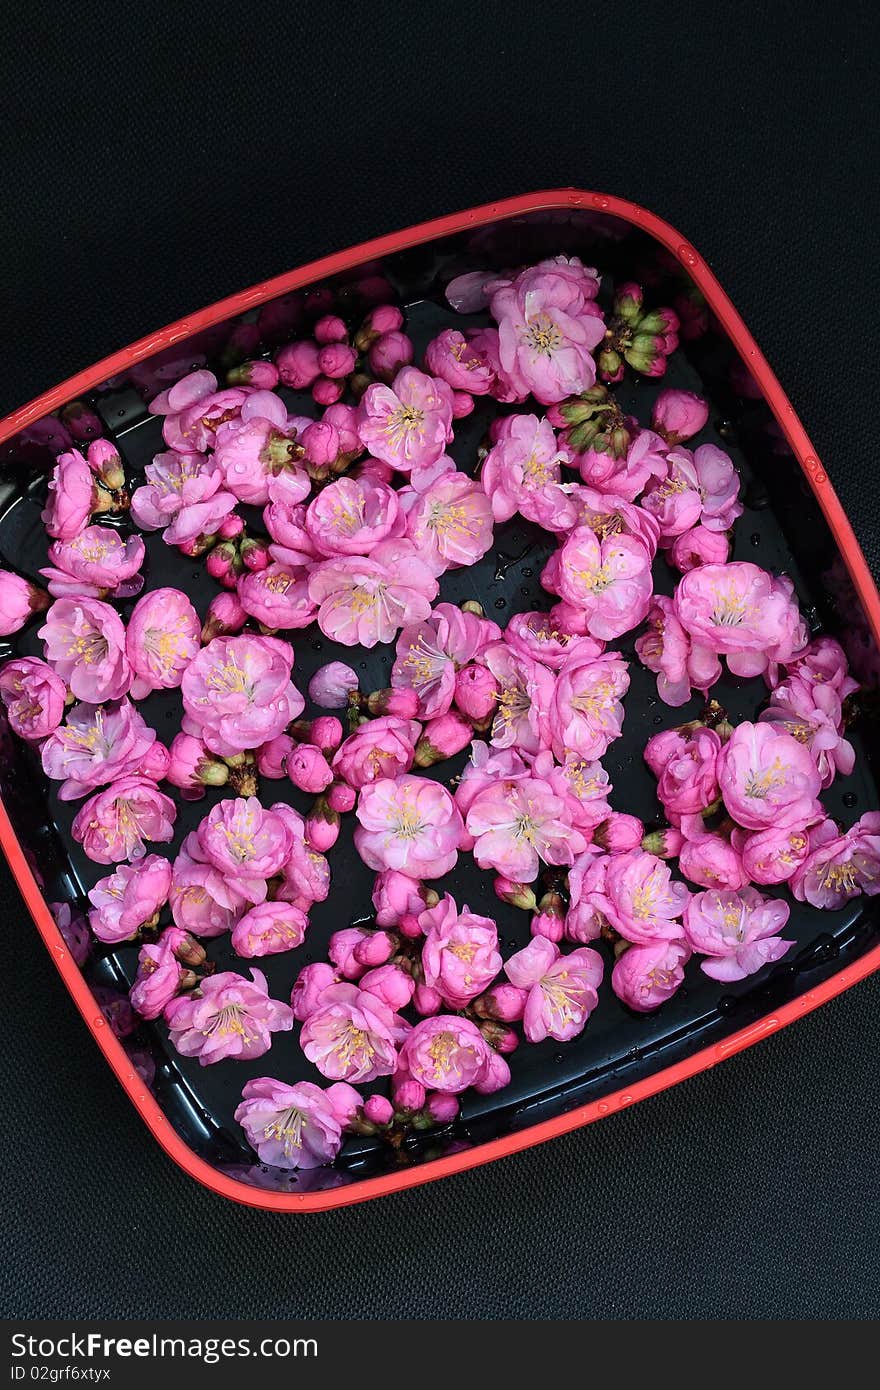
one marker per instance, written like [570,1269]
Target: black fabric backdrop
[153,162]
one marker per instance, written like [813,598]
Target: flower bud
[678,415]
[503,1002]
[389,353]
[404,703]
[698,546]
[82,422]
[332,684]
[297,364]
[254,554]
[322,826]
[223,563]
[341,797]
[517,894]
[476,691]
[498,1035]
[462,404]
[389,983]
[189,951]
[308,988]
[261,375]
[443,737]
[385,318]
[224,618]
[104,461]
[308,769]
[442,1108]
[378,1110]
[408,1094]
[343,418]
[321,442]
[272,756]
[336,360]
[330,329]
[472,605]
[426,1000]
[619,833]
[326,391]
[374,948]
[666,843]
[408,926]
[549,920]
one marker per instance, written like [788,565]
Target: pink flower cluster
[364,513]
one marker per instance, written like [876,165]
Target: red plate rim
[120,361]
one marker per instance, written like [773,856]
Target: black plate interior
[782,529]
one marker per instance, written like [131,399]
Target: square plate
[793,522]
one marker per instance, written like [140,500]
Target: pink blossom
[667,650]
[97,744]
[823,662]
[352,1035]
[278,596]
[408,823]
[163,637]
[202,900]
[19,599]
[538,636]
[583,785]
[627,475]
[521,472]
[309,987]
[678,415]
[685,765]
[640,899]
[289,1126]
[698,546]
[712,861]
[378,748]
[159,976]
[177,483]
[738,931]
[460,956]
[646,976]
[285,520]
[548,326]
[228,1016]
[460,364]
[742,612]
[33,695]
[608,515]
[113,824]
[448,1054]
[193,527]
[237,693]
[74,930]
[72,497]
[561,989]
[429,653]
[352,515]
[450,524]
[332,684]
[251,451]
[702,486]
[609,579]
[518,824]
[812,713]
[268,928]
[409,423]
[364,601]
[97,563]
[770,856]
[587,710]
[129,898]
[839,866]
[585,918]
[85,643]
[246,843]
[524,691]
[306,871]
[767,778]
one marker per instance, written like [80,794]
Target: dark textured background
[152,163]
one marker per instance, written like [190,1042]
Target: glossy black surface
[780,529]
